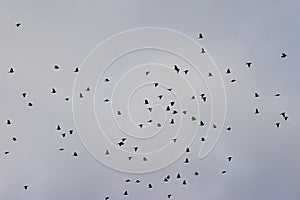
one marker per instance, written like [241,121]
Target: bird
[135,148]
[106,80]
[229,158]
[256,111]
[248,64]
[172,103]
[75,154]
[172,121]
[233,80]
[149,121]
[286,118]
[137,181]
[56,67]
[106,100]
[6,152]
[58,127]
[202,139]
[119,112]
[8,122]
[175,112]
[150,109]
[150,185]
[106,152]
[277,95]
[71,131]
[88,89]
[169,196]
[146,102]
[283,55]
[168,108]
[125,193]
[186,71]
[18,24]
[14,139]
[283,114]
[184,112]
[201,123]
[155,84]
[30,104]
[210,74]
[196,173]
[193,97]
[202,50]
[141,125]
[25,187]
[223,172]
[80,95]
[106,198]
[61,149]
[176,69]
[148,72]
[127,180]
[200,36]
[63,135]
[184,182]
[214,126]
[160,96]
[11,70]
[178,175]
[277,124]
[187,150]
[24,94]
[76,70]
[121,144]
[53,91]
[193,118]
[186,161]
[67,99]
[228,71]
[256,95]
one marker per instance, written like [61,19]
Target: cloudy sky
[265,159]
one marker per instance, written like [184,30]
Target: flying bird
[228,71]
[11,70]
[249,64]
[283,55]
[200,36]
[18,24]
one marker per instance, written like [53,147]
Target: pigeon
[176,69]
[229,158]
[150,185]
[202,50]
[24,94]
[135,148]
[155,84]
[61,149]
[210,74]
[186,71]
[196,173]
[277,95]
[228,128]
[14,139]
[233,80]
[175,112]
[18,24]
[150,109]
[256,94]
[178,176]
[8,122]
[158,125]
[160,96]
[75,154]
[201,123]
[125,193]
[106,198]
[186,161]
[30,104]
[184,182]
[76,70]
[193,118]
[184,112]
[202,139]
[106,152]
[63,135]
[256,111]
[172,103]
[187,150]
[228,71]
[80,95]
[172,121]
[53,91]
[67,99]
[71,131]
[58,127]
[106,100]
[148,72]
[168,108]
[11,70]
[121,144]
[200,36]
[277,124]
[141,125]
[137,181]
[119,112]
[174,140]
[146,102]
[127,180]
[283,55]
[214,126]
[6,152]
[223,172]
[88,89]
[56,67]
[249,64]
[149,121]
[25,187]
[106,80]
[169,196]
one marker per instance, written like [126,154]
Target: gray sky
[265,162]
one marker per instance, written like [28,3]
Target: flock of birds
[167,178]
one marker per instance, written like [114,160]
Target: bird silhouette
[150,185]
[24,94]
[196,173]
[30,104]
[228,71]
[76,70]
[178,175]
[248,64]
[53,91]
[229,158]
[186,71]
[283,55]
[256,111]
[176,69]
[256,94]
[8,122]
[155,84]
[125,193]
[18,24]
[11,70]
[56,67]
[25,187]
[277,124]
[223,172]
[200,36]
[277,95]
[202,50]
[106,80]
[147,73]
[201,123]
[75,154]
